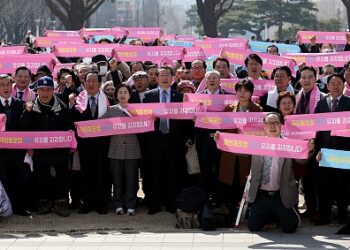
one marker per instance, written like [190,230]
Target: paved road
[93,231]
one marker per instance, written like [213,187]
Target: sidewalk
[142,231]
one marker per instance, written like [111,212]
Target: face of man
[92,84]
[329,70]
[307,80]
[45,95]
[335,87]
[272,126]
[136,67]
[254,69]
[152,74]
[272,51]
[82,72]
[281,80]
[5,88]
[22,79]
[222,67]
[197,70]
[141,84]
[212,82]
[165,78]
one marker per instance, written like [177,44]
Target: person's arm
[347,46]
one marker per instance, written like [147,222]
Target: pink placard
[212,52]
[262,145]
[228,120]
[9,64]
[2,122]
[187,38]
[115,126]
[150,53]
[236,56]
[145,33]
[62,33]
[299,135]
[318,122]
[237,43]
[320,59]
[322,37]
[168,37]
[86,33]
[212,102]
[173,110]
[194,54]
[60,66]
[12,50]
[50,41]
[83,50]
[261,87]
[38,140]
[341,133]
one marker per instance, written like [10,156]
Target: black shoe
[102,211]
[74,205]
[84,209]
[321,222]
[152,211]
[44,207]
[171,210]
[344,230]
[61,207]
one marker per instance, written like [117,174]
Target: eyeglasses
[197,68]
[2,85]
[276,123]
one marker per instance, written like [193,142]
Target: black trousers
[209,162]
[16,178]
[266,207]
[95,175]
[332,185]
[52,179]
[163,173]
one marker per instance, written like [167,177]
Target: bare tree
[73,13]
[210,12]
[347,6]
[18,16]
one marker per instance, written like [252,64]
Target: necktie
[334,105]
[163,125]
[7,106]
[20,95]
[93,106]
[266,170]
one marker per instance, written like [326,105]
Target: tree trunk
[280,27]
[210,27]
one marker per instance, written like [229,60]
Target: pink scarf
[346,89]
[314,98]
[82,101]
[28,94]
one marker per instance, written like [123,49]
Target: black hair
[272,46]
[309,68]
[253,57]
[221,59]
[245,83]
[93,72]
[284,68]
[121,86]
[166,68]
[23,68]
[336,75]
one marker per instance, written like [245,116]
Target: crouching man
[273,189]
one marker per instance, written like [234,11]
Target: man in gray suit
[273,189]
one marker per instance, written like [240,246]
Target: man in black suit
[93,152]
[14,173]
[332,183]
[208,154]
[166,148]
[140,79]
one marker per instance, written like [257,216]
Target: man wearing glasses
[198,68]
[273,189]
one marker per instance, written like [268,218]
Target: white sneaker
[119,210]
[130,212]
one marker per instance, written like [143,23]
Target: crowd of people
[106,170]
